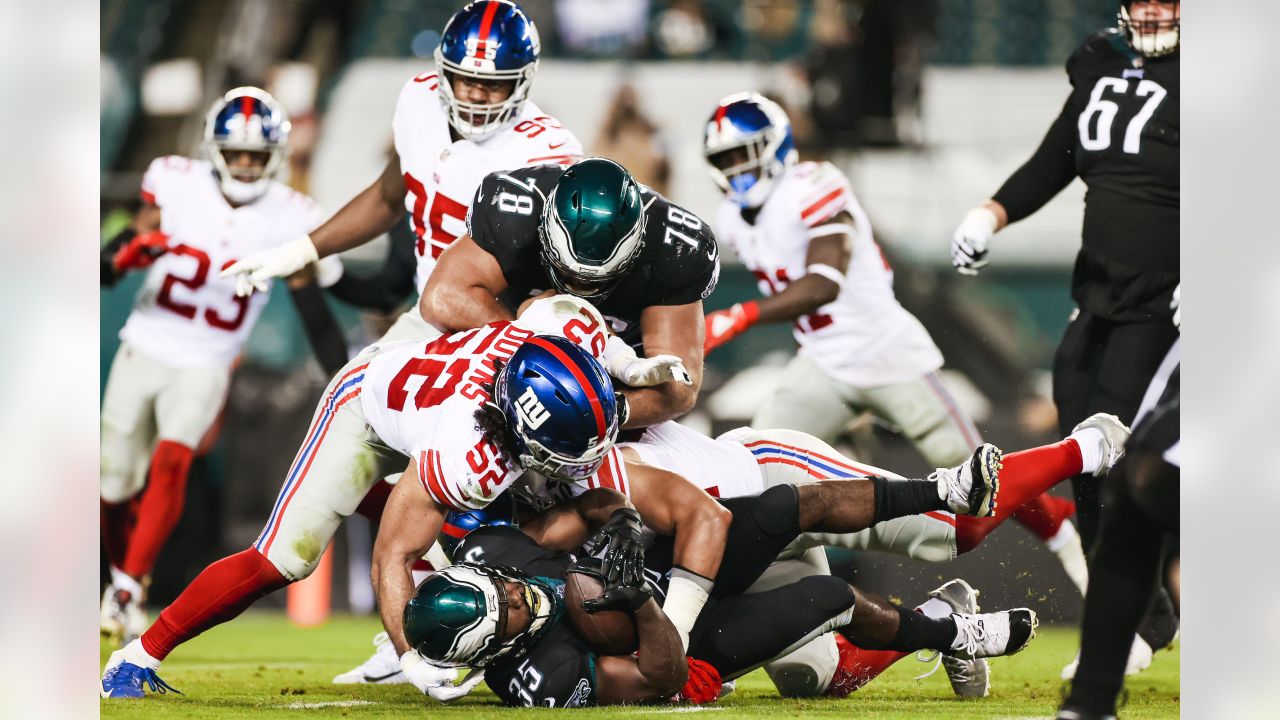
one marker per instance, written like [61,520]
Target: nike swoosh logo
[373,679]
[558,145]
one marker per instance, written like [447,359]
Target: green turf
[260,666]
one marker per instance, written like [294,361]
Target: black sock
[917,631]
[899,498]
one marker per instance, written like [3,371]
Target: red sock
[118,520]
[218,594]
[1026,476]
[857,667]
[160,507]
[1044,515]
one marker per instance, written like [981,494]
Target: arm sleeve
[323,331]
[111,276]
[388,288]
[1049,170]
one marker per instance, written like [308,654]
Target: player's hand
[969,241]
[449,692]
[624,555]
[256,271]
[141,251]
[647,372]
[704,683]
[1176,307]
[725,325]
[434,680]
[629,599]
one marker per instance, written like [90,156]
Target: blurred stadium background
[926,104]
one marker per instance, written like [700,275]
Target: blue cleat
[123,679]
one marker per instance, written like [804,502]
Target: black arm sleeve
[1049,170]
[323,331]
[388,288]
[111,276]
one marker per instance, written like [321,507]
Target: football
[608,632]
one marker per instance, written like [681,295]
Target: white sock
[935,608]
[134,653]
[121,580]
[1089,440]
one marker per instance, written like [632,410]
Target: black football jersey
[558,670]
[1118,132]
[679,262]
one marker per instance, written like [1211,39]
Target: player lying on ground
[169,378]
[532,655]
[801,231]
[401,399]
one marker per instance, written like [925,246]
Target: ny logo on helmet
[532,413]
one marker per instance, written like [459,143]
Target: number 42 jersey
[185,315]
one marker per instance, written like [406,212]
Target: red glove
[141,251]
[703,685]
[725,325]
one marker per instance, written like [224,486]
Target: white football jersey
[442,176]
[185,315]
[421,399]
[863,337]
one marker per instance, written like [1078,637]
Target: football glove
[629,599]
[725,325]
[624,554]
[434,680]
[969,241]
[620,361]
[256,271]
[704,683]
[141,251]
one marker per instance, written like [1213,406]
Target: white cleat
[993,634]
[1114,435]
[111,619]
[382,668]
[1140,656]
[122,618]
[1066,546]
[969,678]
[971,487]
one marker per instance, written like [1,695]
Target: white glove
[969,241]
[621,361]
[256,271]
[437,681]
[1176,307]
[329,270]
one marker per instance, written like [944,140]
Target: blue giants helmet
[560,406]
[246,119]
[748,145]
[458,523]
[488,40]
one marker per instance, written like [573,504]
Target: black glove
[624,558]
[624,408]
[625,598]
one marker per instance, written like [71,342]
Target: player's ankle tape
[899,498]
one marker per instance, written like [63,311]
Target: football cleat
[1114,436]
[1140,657]
[993,634]
[971,488]
[123,679]
[970,678]
[122,618]
[382,668]
[1066,712]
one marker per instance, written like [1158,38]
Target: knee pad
[807,671]
[776,511]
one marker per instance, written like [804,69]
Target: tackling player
[470,117]
[170,376]
[1118,132]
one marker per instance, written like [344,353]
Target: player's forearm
[461,308]
[661,654]
[701,529]
[393,583]
[652,405]
[801,297]
[367,216]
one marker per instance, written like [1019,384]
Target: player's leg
[128,431]
[186,407]
[337,464]
[807,401]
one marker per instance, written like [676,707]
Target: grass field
[260,666]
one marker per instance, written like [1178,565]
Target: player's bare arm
[568,525]
[410,523]
[656,672]
[669,330]
[463,290]
[671,505]
[826,261]
[370,214]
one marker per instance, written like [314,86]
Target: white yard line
[329,704]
